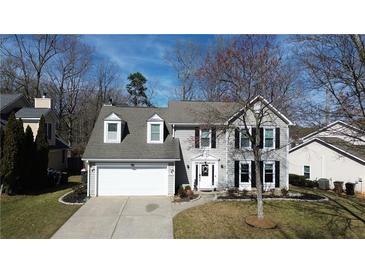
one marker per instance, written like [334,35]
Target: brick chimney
[43,102]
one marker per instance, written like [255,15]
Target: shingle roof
[7,99]
[60,144]
[355,150]
[32,112]
[134,145]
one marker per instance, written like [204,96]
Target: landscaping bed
[193,197]
[291,196]
[77,196]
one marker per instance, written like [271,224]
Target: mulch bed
[265,223]
[302,196]
[75,197]
[186,199]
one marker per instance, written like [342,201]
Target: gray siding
[92,179]
[171,178]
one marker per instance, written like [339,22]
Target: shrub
[298,180]
[231,191]
[188,187]
[284,192]
[80,189]
[41,144]
[181,192]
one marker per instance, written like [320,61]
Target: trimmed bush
[298,180]
[188,187]
[181,192]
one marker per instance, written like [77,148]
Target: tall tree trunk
[257,157]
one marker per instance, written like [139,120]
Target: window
[245,173]
[307,172]
[112,131]
[205,170]
[269,138]
[205,138]
[269,173]
[49,131]
[155,132]
[245,139]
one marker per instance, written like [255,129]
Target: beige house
[335,152]
[57,158]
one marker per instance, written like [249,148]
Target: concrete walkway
[125,218]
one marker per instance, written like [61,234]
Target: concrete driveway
[120,218]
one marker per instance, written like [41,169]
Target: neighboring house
[11,103]
[150,151]
[57,158]
[335,152]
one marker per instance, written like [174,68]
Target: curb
[67,203]
[324,199]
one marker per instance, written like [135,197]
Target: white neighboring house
[335,152]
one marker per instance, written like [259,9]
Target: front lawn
[35,216]
[341,217]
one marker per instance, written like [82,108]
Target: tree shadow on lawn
[316,220]
[50,189]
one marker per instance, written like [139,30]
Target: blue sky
[144,53]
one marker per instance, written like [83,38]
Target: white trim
[118,139]
[249,183]
[269,185]
[273,140]
[215,175]
[194,124]
[88,178]
[270,106]
[319,141]
[329,126]
[155,118]
[310,168]
[129,160]
[149,141]
[112,117]
[200,138]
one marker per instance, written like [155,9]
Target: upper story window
[155,129]
[112,129]
[268,138]
[245,139]
[205,138]
[307,172]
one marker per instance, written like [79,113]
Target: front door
[206,175]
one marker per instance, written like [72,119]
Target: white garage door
[141,180]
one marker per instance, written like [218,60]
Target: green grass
[341,217]
[35,216]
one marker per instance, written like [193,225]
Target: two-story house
[23,109]
[150,151]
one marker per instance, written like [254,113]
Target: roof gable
[155,118]
[266,104]
[112,117]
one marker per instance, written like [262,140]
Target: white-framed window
[112,129]
[269,137]
[307,172]
[205,138]
[245,138]
[245,172]
[269,172]
[155,132]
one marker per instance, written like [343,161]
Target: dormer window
[155,129]
[112,129]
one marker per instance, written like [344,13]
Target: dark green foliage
[137,90]
[41,144]
[298,180]
[181,192]
[188,187]
[2,135]
[11,160]
[29,159]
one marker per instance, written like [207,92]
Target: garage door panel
[132,181]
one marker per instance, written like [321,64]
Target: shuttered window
[269,138]
[269,173]
[205,138]
[245,139]
[245,172]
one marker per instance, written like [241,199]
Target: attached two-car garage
[132,180]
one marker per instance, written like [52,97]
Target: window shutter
[237,138]
[214,137]
[253,174]
[261,137]
[254,137]
[197,137]
[262,173]
[277,173]
[277,138]
[236,173]
[212,175]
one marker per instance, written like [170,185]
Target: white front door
[206,175]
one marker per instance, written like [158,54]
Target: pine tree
[137,90]
[11,156]
[42,154]
[29,157]
[20,136]
[2,135]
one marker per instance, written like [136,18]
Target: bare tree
[31,54]
[334,65]
[249,67]
[186,57]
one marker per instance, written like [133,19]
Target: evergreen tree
[42,154]
[10,163]
[20,135]
[2,135]
[29,154]
[137,90]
